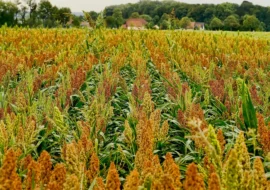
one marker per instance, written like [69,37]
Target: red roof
[135,22]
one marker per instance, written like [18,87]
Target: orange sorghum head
[46,165]
[132,181]
[57,178]
[193,179]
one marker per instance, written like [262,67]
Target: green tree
[23,13]
[110,22]
[165,25]
[7,13]
[147,18]
[184,22]
[94,15]
[45,11]
[118,16]
[251,23]
[231,23]
[224,10]
[32,5]
[135,15]
[76,21]
[165,16]
[216,24]
[63,15]
[156,19]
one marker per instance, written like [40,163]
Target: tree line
[32,14]
[166,14]
[173,14]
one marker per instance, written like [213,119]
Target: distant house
[135,24]
[196,26]
[85,24]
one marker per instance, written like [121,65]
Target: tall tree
[8,11]
[63,15]
[32,5]
[135,15]
[118,16]
[216,24]
[252,23]
[231,23]
[44,11]
[184,22]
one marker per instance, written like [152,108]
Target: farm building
[135,24]
[196,26]
[85,24]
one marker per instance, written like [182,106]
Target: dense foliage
[33,14]
[111,109]
[159,11]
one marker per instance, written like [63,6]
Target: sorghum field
[115,109]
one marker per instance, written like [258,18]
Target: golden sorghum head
[73,159]
[93,170]
[145,143]
[155,119]
[128,134]
[4,137]
[33,175]
[46,165]
[9,164]
[72,183]
[221,140]
[264,134]
[57,178]
[132,181]
[213,150]
[147,137]
[246,182]
[20,136]
[158,171]
[172,169]
[232,171]
[260,181]
[164,131]
[242,152]
[87,145]
[26,161]
[21,102]
[147,172]
[148,105]
[112,180]
[99,184]
[214,182]
[8,176]
[139,131]
[16,182]
[193,179]
[165,182]
[151,170]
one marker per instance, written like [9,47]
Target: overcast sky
[98,5]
